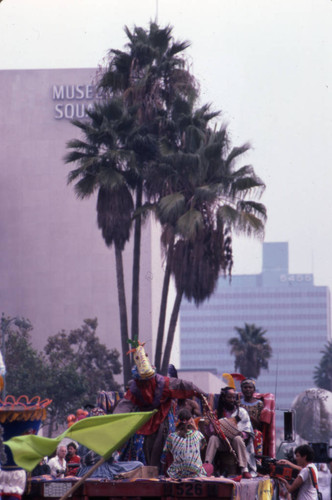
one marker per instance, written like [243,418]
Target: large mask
[142,362]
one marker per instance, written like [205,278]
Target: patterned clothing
[72,471]
[254,409]
[186,452]
[159,393]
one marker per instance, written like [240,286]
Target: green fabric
[103,434]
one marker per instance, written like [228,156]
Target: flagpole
[83,478]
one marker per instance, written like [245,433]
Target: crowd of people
[183,441]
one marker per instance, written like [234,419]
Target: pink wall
[54,266]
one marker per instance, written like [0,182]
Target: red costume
[157,392]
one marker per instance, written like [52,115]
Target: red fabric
[172,389]
[268,420]
[147,389]
[72,471]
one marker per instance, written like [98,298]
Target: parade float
[18,417]
[105,434]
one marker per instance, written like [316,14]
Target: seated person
[72,459]
[241,440]
[185,447]
[42,469]
[58,464]
[107,470]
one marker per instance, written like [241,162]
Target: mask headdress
[141,360]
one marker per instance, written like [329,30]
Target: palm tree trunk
[136,266]
[123,314]
[171,332]
[163,307]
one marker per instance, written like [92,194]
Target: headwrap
[248,381]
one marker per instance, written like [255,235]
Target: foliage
[323,372]
[251,350]
[150,140]
[70,371]
[26,367]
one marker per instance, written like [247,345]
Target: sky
[266,64]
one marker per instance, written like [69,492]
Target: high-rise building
[55,268]
[294,312]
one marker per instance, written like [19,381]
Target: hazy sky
[265,63]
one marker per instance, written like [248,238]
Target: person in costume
[189,403]
[254,407]
[241,440]
[307,481]
[185,447]
[148,391]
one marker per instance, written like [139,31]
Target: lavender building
[294,312]
[54,266]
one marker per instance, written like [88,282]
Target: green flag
[103,434]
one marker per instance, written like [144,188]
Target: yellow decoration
[229,380]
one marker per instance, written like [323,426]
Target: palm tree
[323,372]
[181,141]
[149,76]
[104,166]
[207,202]
[251,350]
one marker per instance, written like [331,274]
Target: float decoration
[141,360]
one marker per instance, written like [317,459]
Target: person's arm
[182,389]
[283,461]
[124,406]
[294,486]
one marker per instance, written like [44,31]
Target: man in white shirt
[58,463]
[306,480]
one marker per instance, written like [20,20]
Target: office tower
[294,312]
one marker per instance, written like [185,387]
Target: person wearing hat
[149,391]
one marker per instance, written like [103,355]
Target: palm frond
[170,208]
[190,224]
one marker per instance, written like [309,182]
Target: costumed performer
[148,391]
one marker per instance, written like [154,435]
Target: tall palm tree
[323,372]
[149,75]
[180,144]
[207,202]
[251,350]
[104,165]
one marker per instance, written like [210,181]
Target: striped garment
[186,455]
